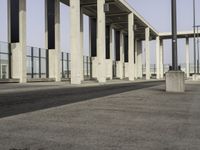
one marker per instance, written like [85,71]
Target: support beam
[109,52]
[158,57]
[76,51]
[136,58]
[161,59]
[17,38]
[52,36]
[139,60]
[101,41]
[131,73]
[147,48]
[187,54]
[120,63]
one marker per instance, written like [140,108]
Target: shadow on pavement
[18,103]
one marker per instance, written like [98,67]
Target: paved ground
[135,116]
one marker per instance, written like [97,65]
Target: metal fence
[37,63]
[65,65]
[114,66]
[5,63]
[87,67]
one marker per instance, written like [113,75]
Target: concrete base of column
[19,62]
[175,81]
[94,67]
[109,70]
[196,77]
[126,70]
[120,70]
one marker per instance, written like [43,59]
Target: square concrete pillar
[175,81]
[139,60]
[131,73]
[147,48]
[158,57]
[93,45]
[109,52]
[76,46]
[136,58]
[161,59]
[120,63]
[187,58]
[101,41]
[52,37]
[17,38]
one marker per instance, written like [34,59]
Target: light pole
[175,78]
[198,48]
[174,37]
[194,24]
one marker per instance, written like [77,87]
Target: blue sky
[156,12]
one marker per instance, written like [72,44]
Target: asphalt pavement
[129,116]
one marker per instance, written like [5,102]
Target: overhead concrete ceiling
[116,16]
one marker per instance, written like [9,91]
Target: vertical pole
[194,27]
[68,70]
[63,74]
[198,49]
[40,75]
[47,63]
[174,37]
[32,63]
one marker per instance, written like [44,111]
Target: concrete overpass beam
[17,38]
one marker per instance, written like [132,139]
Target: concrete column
[109,62]
[158,57]
[101,41]
[187,58]
[93,45]
[120,64]
[131,73]
[139,60]
[17,38]
[136,59]
[147,48]
[81,41]
[52,37]
[161,59]
[76,50]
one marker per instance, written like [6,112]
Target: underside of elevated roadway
[118,16]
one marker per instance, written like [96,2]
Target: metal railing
[37,63]
[65,65]
[5,60]
[114,67]
[87,67]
